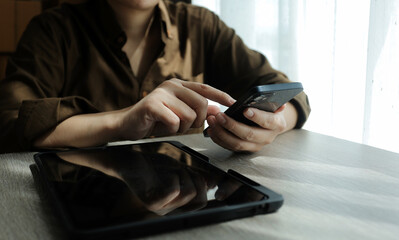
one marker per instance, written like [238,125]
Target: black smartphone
[265,97]
[142,189]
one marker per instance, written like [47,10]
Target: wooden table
[333,189]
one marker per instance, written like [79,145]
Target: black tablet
[147,188]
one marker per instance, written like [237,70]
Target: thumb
[212,110]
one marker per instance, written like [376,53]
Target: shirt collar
[167,27]
[170,36]
[113,31]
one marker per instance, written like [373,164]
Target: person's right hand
[173,107]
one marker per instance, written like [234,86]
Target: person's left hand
[240,137]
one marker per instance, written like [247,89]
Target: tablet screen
[131,183]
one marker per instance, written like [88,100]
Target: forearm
[83,130]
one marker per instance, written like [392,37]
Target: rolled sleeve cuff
[37,117]
[301,104]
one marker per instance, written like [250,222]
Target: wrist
[291,116]
[113,127]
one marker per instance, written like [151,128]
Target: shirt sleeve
[31,101]
[235,68]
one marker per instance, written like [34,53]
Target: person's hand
[173,107]
[240,137]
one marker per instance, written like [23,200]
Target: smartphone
[265,97]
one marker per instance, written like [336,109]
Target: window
[345,52]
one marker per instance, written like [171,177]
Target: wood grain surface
[333,189]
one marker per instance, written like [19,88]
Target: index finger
[210,93]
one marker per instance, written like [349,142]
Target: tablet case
[270,203]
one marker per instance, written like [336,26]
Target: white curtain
[345,52]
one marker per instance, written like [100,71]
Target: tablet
[147,188]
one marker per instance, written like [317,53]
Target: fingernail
[249,113]
[221,119]
[211,121]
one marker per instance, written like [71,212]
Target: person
[101,71]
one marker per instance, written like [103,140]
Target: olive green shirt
[70,61]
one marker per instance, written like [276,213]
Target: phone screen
[132,183]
